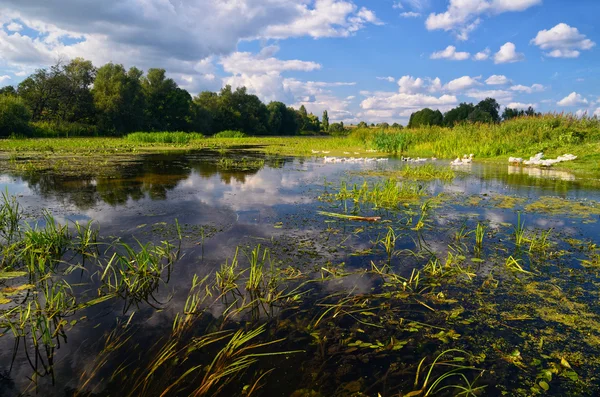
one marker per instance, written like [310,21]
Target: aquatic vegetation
[178,138]
[230,134]
[519,231]
[557,205]
[242,164]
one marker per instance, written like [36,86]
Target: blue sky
[376,60]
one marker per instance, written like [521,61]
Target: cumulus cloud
[573,99]
[597,112]
[499,95]
[497,80]
[528,90]
[463,16]
[462,83]
[562,41]
[451,54]
[519,105]
[482,55]
[410,85]
[399,101]
[251,64]
[14,27]
[508,54]
[388,78]
[174,35]
[4,78]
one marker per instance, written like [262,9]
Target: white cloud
[519,105]
[398,5]
[410,85]
[528,90]
[597,112]
[393,104]
[14,27]
[497,80]
[499,95]
[573,99]
[462,83]
[581,113]
[482,55]
[21,73]
[508,54]
[410,14]
[435,85]
[388,78]
[450,53]
[463,16]
[248,63]
[175,35]
[562,41]
[4,78]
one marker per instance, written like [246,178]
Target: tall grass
[179,138]
[230,134]
[524,136]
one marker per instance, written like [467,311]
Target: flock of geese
[539,160]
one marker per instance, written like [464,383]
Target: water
[277,205]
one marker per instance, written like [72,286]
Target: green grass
[180,138]
[230,134]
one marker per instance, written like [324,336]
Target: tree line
[486,111]
[112,100]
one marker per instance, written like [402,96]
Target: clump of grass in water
[244,163]
[519,231]
[389,194]
[427,172]
[179,138]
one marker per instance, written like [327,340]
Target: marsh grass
[178,138]
[390,194]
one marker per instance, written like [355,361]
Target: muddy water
[277,204]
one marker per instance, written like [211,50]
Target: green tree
[41,92]
[459,114]
[8,90]
[14,116]
[480,116]
[397,126]
[336,128]
[383,126]
[491,107]
[168,107]
[118,98]
[325,121]
[282,120]
[510,113]
[425,117]
[362,124]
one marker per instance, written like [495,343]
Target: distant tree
[336,128]
[14,115]
[458,115]
[281,120]
[425,117]
[510,113]
[372,124]
[397,126]
[8,90]
[384,126]
[118,98]
[530,112]
[491,107]
[362,124]
[480,116]
[325,121]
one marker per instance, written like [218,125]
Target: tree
[397,126]
[336,128]
[325,121]
[491,107]
[383,126]
[8,90]
[425,117]
[480,116]
[168,107]
[14,116]
[510,113]
[459,114]
[118,98]
[362,124]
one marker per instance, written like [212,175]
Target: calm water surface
[276,205]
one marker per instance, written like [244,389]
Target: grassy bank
[552,134]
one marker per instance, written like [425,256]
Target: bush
[46,129]
[14,116]
[163,137]
[230,134]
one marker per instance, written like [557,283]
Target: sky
[371,60]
